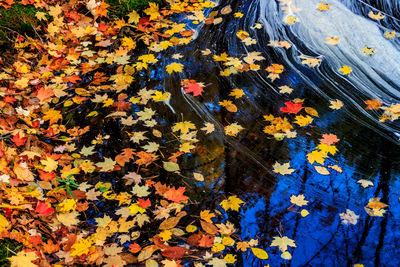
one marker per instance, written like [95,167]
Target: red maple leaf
[144,203]
[291,107]
[44,93]
[43,208]
[176,195]
[18,140]
[191,86]
[9,99]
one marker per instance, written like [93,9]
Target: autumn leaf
[298,200]
[282,243]
[174,67]
[323,7]
[18,140]
[345,70]
[291,107]
[283,169]
[377,16]
[23,259]
[260,253]
[329,139]
[373,104]
[336,104]
[232,202]
[311,61]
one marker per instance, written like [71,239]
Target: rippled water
[368,149]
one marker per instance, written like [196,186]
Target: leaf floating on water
[365,183]
[298,200]
[282,243]
[376,16]
[260,253]
[336,104]
[323,7]
[283,169]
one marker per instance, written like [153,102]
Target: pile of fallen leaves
[74,122]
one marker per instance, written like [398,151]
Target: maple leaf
[237,93]
[107,165]
[208,127]
[191,86]
[184,127]
[50,164]
[323,7]
[232,202]
[365,183]
[349,217]
[282,243]
[132,177]
[317,156]
[329,139]
[291,107]
[174,67]
[285,89]
[176,195]
[332,40]
[373,104]
[376,16]
[336,104]
[43,208]
[298,200]
[52,116]
[233,129]
[345,70]
[152,11]
[19,141]
[303,120]
[368,51]
[44,92]
[283,168]
[23,259]
[311,61]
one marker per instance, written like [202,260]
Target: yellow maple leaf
[41,15]
[52,116]
[232,202]
[323,7]
[81,247]
[282,243]
[376,16]
[311,61]
[345,70]
[283,168]
[152,11]
[160,96]
[237,93]
[50,164]
[133,17]
[303,120]
[368,51]
[184,127]
[317,156]
[332,40]
[336,104]
[177,67]
[206,215]
[233,129]
[23,259]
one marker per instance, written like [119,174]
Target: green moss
[121,8]
[6,246]
[17,19]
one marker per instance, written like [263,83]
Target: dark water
[368,149]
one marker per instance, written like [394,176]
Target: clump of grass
[7,247]
[121,8]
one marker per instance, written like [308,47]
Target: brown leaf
[174,252]
[209,228]
[169,223]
